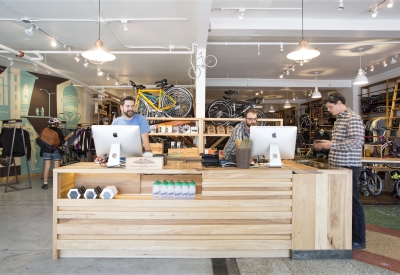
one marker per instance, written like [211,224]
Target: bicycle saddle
[230,92]
[225,97]
[162,82]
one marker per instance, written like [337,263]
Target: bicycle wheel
[261,114]
[183,99]
[374,185]
[210,61]
[143,108]
[194,72]
[219,109]
[397,186]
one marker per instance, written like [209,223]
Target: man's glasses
[252,119]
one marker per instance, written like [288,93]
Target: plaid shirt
[240,132]
[347,140]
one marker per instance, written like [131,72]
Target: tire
[210,61]
[194,72]
[143,108]
[219,109]
[374,185]
[183,105]
[261,114]
[397,186]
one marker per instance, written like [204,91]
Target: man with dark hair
[345,151]
[127,106]
[241,131]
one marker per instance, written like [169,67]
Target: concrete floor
[25,248]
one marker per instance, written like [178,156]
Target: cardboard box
[175,129]
[194,130]
[229,129]
[144,163]
[153,129]
[161,129]
[220,129]
[168,129]
[211,129]
[157,148]
[194,151]
[185,129]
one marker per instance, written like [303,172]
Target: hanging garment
[18,149]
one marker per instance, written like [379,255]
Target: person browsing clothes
[127,107]
[241,131]
[345,151]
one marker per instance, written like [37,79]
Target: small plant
[243,143]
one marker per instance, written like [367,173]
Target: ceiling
[157,25]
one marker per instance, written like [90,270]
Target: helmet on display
[53,120]
[105,120]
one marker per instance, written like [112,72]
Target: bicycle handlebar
[385,165]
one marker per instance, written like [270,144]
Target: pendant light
[316,93]
[272,110]
[303,53]
[360,78]
[287,104]
[98,55]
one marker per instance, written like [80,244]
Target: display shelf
[174,134]
[216,135]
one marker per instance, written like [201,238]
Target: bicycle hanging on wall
[229,107]
[199,63]
[166,101]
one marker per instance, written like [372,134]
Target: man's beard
[250,124]
[129,113]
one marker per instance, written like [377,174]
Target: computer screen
[282,139]
[117,141]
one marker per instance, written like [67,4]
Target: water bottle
[163,190]
[156,190]
[171,190]
[178,190]
[185,190]
[192,190]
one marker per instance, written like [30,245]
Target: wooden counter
[296,211]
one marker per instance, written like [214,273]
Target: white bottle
[156,190]
[171,190]
[192,190]
[178,190]
[185,190]
[163,190]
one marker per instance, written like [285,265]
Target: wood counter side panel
[126,183]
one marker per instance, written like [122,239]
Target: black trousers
[358,217]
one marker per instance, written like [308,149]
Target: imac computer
[273,142]
[117,141]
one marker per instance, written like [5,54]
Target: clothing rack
[12,158]
[80,126]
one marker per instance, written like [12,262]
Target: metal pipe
[113,52]
[45,66]
[292,43]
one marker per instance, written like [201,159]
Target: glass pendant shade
[97,54]
[360,78]
[272,110]
[316,93]
[287,105]
[303,53]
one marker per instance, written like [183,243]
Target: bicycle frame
[151,99]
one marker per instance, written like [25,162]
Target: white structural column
[203,21]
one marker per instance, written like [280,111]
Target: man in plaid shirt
[241,131]
[345,151]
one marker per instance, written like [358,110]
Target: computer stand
[114,156]
[274,156]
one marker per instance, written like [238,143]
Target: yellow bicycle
[167,100]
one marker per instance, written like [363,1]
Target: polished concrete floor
[25,248]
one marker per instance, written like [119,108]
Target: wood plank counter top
[297,210]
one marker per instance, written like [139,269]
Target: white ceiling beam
[309,24]
[258,83]
[203,20]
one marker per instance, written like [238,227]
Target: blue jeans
[56,156]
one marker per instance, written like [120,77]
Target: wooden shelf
[174,134]
[216,135]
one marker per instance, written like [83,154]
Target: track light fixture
[241,13]
[384,63]
[86,63]
[281,76]
[53,42]
[29,31]
[371,68]
[390,3]
[341,6]
[77,58]
[374,11]
[287,72]
[293,68]
[116,83]
[48,72]
[360,78]
[258,53]
[281,44]
[99,71]
[11,61]
[393,61]
[36,67]
[108,77]
[125,22]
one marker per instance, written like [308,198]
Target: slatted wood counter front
[237,212]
